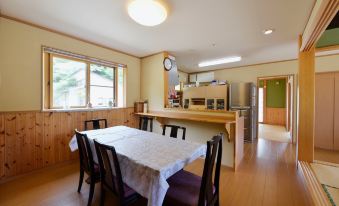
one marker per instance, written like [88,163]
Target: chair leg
[217,202]
[102,196]
[91,192]
[81,179]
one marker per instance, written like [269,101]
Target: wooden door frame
[291,99]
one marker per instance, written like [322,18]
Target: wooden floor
[267,176]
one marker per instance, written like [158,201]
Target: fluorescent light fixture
[147,12]
[220,61]
[268,31]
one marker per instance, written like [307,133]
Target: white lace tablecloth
[146,159]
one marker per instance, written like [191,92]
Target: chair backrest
[143,123]
[174,131]
[85,152]
[110,174]
[209,190]
[95,123]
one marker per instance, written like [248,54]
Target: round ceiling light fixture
[147,12]
[268,31]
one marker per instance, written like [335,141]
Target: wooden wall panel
[2,145]
[28,142]
[39,140]
[33,140]
[48,140]
[10,145]
[276,116]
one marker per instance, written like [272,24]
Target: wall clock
[168,64]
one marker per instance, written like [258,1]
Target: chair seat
[96,174]
[129,191]
[184,188]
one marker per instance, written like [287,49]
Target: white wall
[21,64]
[152,81]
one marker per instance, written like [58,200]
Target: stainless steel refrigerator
[242,97]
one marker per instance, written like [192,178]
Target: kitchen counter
[233,124]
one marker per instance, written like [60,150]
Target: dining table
[146,159]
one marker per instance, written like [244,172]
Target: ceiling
[196,30]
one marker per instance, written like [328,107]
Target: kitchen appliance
[174,103]
[242,97]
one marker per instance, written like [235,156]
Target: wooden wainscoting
[34,140]
[276,116]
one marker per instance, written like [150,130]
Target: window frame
[47,78]
[114,86]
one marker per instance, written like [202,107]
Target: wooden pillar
[306,104]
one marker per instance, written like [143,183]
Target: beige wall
[152,81]
[251,73]
[20,64]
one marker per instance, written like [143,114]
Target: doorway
[275,108]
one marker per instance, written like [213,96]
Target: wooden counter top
[210,118]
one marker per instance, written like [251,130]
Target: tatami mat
[334,193]
[328,175]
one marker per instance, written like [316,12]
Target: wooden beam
[306,104]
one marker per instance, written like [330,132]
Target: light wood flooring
[267,176]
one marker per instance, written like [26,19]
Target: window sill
[82,109]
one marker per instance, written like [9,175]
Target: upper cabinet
[193,77]
[202,77]
[205,77]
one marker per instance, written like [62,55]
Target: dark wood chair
[95,123]
[174,131]
[143,123]
[187,189]
[87,164]
[112,180]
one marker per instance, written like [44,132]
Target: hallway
[274,132]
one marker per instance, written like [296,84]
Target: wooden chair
[174,131]
[87,164]
[143,123]
[111,177]
[95,123]
[187,189]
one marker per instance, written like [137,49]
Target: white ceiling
[192,27]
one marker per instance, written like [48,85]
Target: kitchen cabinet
[202,77]
[205,77]
[326,133]
[217,91]
[193,78]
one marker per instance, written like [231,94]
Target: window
[75,81]
[102,85]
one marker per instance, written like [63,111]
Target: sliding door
[336,113]
[324,109]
